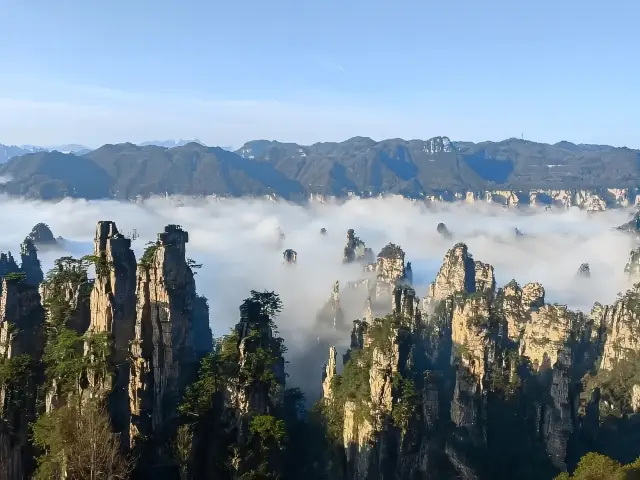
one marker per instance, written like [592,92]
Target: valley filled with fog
[237,242]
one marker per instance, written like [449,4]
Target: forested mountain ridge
[435,168]
[117,376]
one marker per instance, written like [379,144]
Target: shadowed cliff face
[21,347]
[113,311]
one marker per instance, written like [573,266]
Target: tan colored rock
[635,398]
[357,441]
[485,280]
[622,323]
[470,333]
[545,335]
[163,345]
[330,371]
[453,275]
[389,270]
[517,305]
[113,305]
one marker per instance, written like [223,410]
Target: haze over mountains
[360,166]
[483,371]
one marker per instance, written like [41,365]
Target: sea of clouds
[236,241]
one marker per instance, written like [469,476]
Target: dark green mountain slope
[361,165]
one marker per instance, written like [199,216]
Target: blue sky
[78,71]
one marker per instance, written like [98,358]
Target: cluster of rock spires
[156,324]
[474,381]
[480,382]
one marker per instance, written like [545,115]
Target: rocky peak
[444,231]
[517,304]
[457,274]
[621,322]
[354,249]
[30,264]
[41,235]
[546,334]
[408,274]
[163,356]
[290,256]
[329,372]
[67,284]
[584,271]
[390,270]
[632,268]
[331,313]
[438,145]
[406,305]
[113,311]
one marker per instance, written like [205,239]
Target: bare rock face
[457,274]
[622,323]
[163,348]
[517,305]
[21,347]
[71,286]
[546,334]
[406,305]
[390,270]
[329,373]
[113,310]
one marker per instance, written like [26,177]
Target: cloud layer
[237,243]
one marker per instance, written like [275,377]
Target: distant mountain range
[9,151]
[360,165]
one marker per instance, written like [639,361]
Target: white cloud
[235,242]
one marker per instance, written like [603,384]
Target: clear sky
[91,72]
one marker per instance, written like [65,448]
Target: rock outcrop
[584,271]
[632,268]
[162,351]
[355,250]
[30,264]
[21,348]
[113,311]
[632,226]
[42,236]
[442,229]
[497,373]
[331,314]
[290,256]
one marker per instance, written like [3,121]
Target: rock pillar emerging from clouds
[163,357]
[113,310]
[21,346]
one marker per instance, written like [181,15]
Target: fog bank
[237,243]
